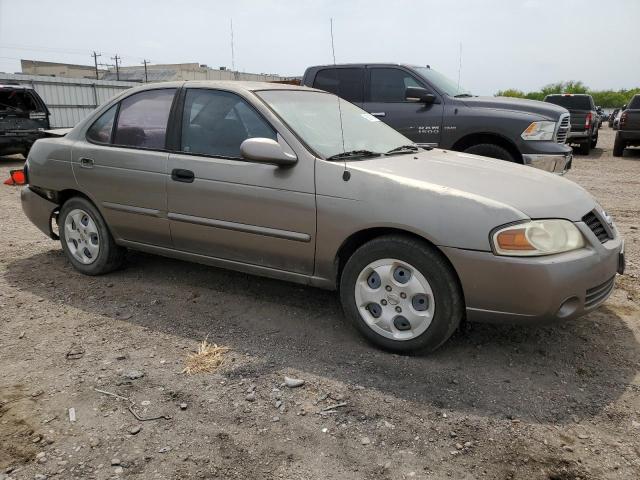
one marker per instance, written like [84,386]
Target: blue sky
[505,43]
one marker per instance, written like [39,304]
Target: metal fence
[69,99]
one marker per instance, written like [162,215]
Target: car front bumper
[500,289]
[549,162]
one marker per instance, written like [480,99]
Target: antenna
[333,50]
[346,175]
[233,60]
[459,66]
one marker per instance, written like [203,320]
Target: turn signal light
[515,239]
[16,177]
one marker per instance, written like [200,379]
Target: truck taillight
[623,119]
[587,121]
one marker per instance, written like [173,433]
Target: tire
[585,148]
[618,146]
[442,301]
[490,150]
[594,140]
[86,239]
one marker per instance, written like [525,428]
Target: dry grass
[207,359]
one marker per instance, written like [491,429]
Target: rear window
[635,103]
[570,102]
[344,82]
[17,100]
[142,120]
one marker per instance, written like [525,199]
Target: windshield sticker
[368,116]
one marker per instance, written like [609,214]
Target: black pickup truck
[628,133]
[23,119]
[584,119]
[432,110]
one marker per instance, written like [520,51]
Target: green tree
[603,98]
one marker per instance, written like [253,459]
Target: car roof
[232,85]
[15,86]
[371,64]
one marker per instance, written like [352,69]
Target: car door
[346,82]
[385,99]
[225,207]
[122,166]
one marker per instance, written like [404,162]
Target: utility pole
[146,79]
[116,58]
[95,60]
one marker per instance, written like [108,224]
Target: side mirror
[266,150]
[417,94]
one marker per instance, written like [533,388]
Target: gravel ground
[496,402]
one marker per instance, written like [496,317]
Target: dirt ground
[497,402]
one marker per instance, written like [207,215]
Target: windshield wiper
[404,149]
[460,95]
[354,154]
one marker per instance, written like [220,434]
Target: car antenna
[346,175]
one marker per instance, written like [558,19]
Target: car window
[142,120]
[390,84]
[575,102]
[344,82]
[216,123]
[100,131]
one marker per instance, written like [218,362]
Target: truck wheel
[585,148]
[401,294]
[490,150]
[86,240]
[618,146]
[594,140]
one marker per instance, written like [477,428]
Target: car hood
[496,184]
[547,110]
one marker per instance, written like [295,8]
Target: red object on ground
[16,177]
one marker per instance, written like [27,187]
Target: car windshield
[316,118]
[442,83]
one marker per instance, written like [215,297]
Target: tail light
[623,119]
[587,121]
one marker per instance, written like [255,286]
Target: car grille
[597,227]
[598,294]
[563,129]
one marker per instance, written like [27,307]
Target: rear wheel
[491,150]
[86,240]
[585,148]
[618,146]
[401,294]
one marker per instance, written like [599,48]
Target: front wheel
[491,150]
[401,294]
[86,240]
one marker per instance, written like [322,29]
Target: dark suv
[23,119]
[432,110]
[584,119]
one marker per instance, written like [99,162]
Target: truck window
[15,100]
[389,85]
[347,83]
[634,104]
[571,102]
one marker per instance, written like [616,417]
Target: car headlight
[537,237]
[539,131]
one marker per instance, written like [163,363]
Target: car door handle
[182,175]
[86,163]
[379,114]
